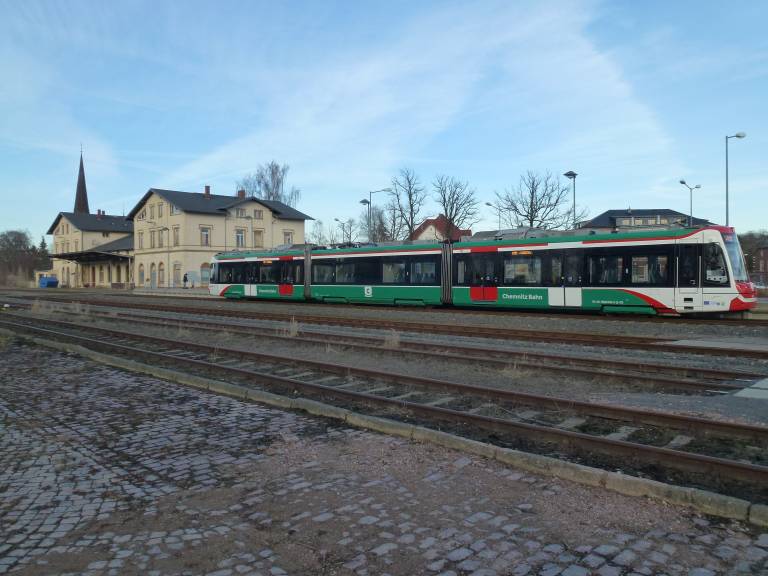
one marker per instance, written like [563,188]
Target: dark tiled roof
[199,203]
[121,244]
[94,222]
[608,218]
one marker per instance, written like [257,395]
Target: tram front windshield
[735,256]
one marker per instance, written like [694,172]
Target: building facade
[437,229]
[177,233]
[90,250]
[629,219]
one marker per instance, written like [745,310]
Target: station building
[91,249]
[629,219]
[177,233]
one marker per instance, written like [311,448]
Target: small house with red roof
[437,228]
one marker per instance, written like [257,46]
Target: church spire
[81,197]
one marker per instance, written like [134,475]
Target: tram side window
[367,270]
[688,266]
[484,269]
[269,273]
[394,272]
[462,274]
[251,272]
[215,267]
[345,272]
[237,273]
[650,270]
[323,272]
[554,270]
[291,273]
[715,268]
[605,270]
[424,271]
[522,270]
[225,273]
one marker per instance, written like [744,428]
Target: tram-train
[662,272]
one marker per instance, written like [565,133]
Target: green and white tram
[667,272]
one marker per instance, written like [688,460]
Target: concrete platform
[758,390]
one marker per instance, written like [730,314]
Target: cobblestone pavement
[106,472]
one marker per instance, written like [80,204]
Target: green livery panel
[413,295]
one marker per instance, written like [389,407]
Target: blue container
[49,282]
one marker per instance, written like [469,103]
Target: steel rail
[685,371]
[680,422]
[645,373]
[657,344]
[704,467]
[753,321]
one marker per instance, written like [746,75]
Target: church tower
[81,197]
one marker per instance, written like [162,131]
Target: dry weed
[392,339]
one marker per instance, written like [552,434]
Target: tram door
[688,285]
[484,280]
[565,277]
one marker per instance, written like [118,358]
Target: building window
[176,274]
[664,221]
[67,245]
[175,235]
[101,274]
[105,234]
[161,274]
[141,274]
[240,212]
[142,214]
[152,275]
[258,214]
[159,238]
[160,210]
[152,212]
[287,237]
[205,236]
[626,221]
[175,210]
[141,240]
[258,238]
[77,245]
[152,239]
[240,238]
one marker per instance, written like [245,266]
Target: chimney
[99,214]
[241,194]
[207,192]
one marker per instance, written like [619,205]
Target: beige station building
[168,235]
[90,250]
[177,233]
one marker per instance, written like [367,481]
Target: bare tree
[392,222]
[385,226]
[348,230]
[539,201]
[317,235]
[457,202]
[409,196]
[332,233]
[268,183]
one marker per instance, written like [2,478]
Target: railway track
[723,456]
[756,319]
[653,344]
[660,376]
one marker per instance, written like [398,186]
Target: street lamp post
[737,135]
[346,230]
[690,189]
[571,175]
[498,211]
[369,203]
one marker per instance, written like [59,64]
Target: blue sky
[631,95]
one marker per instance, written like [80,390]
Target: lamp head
[740,134]
[364,201]
[489,204]
[683,182]
[570,174]
[697,186]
